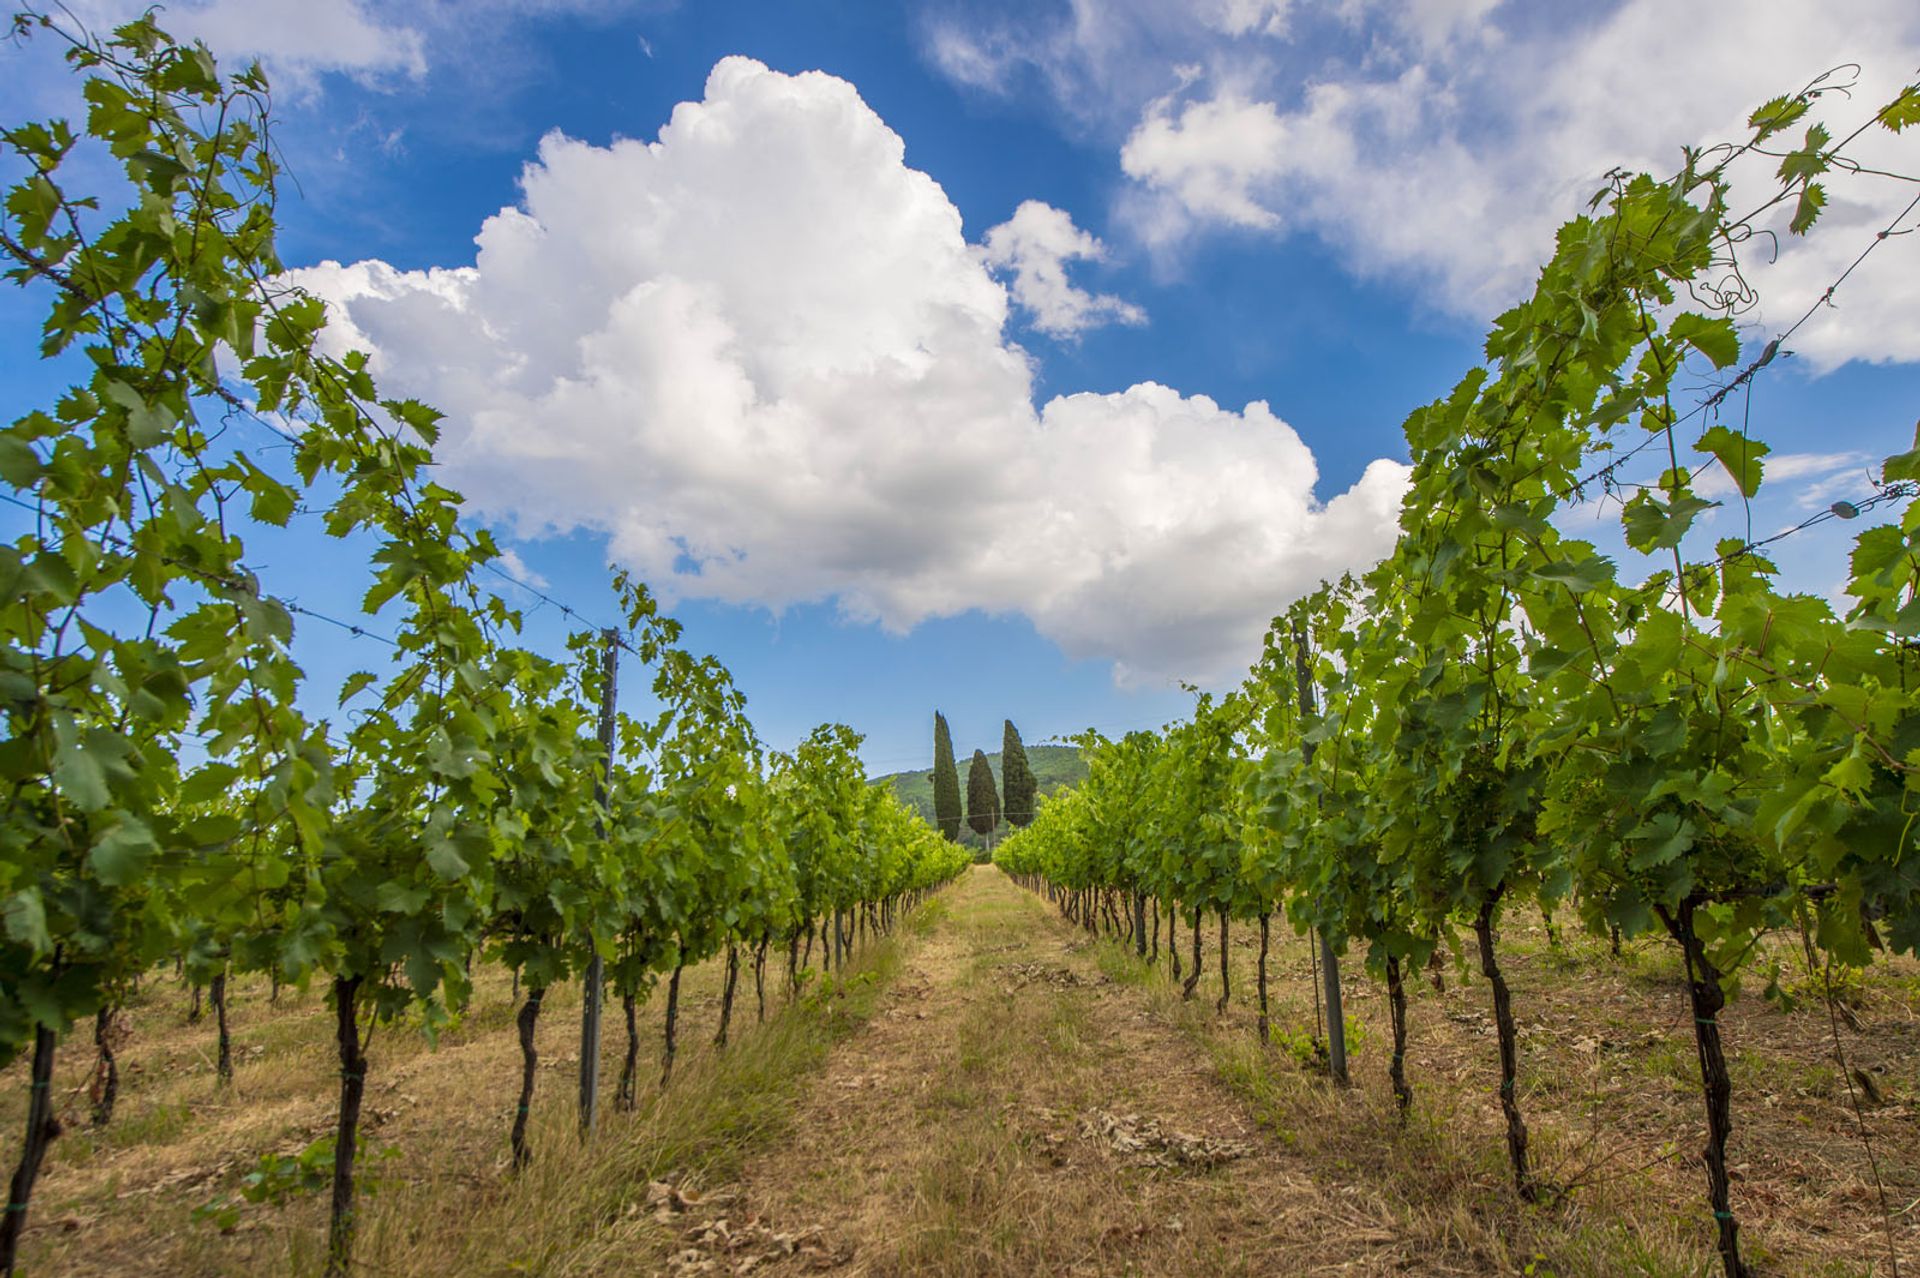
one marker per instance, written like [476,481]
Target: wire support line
[244,579]
[1744,377]
[352,628]
[1882,495]
[1766,357]
[1838,510]
[241,580]
[1881,237]
[244,575]
[545,598]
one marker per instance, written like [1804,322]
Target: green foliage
[1498,714]
[1054,768]
[1494,714]
[277,1179]
[167,792]
[946,780]
[1903,112]
[122,841]
[983,798]
[1018,789]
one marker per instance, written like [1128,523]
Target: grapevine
[1499,715]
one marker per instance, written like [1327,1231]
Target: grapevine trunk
[1193,977]
[1225,967]
[1397,1009]
[630,1067]
[353,1082]
[1173,938]
[528,1019]
[1266,1029]
[43,1128]
[673,1020]
[107,1072]
[1523,1180]
[1708,997]
[217,995]
[760,974]
[726,996]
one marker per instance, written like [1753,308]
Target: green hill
[1054,767]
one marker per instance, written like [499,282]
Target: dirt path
[989,1092]
[1011,1109]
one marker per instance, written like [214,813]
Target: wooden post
[1329,961]
[595,978]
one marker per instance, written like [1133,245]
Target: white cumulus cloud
[1239,17]
[298,40]
[1213,157]
[1449,149]
[1439,143]
[759,354]
[301,42]
[1035,245]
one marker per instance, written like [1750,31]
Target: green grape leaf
[1810,160]
[26,921]
[1652,524]
[1739,454]
[1715,338]
[1777,114]
[355,684]
[400,898]
[1903,466]
[119,856]
[1904,111]
[81,776]
[19,464]
[446,861]
[1579,576]
[1813,198]
[1661,839]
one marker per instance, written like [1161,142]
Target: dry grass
[948,1138]
[951,1110]
[945,1139]
[1610,1090]
[121,1201]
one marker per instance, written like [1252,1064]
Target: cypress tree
[983,797]
[946,780]
[1017,787]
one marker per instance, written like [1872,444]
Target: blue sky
[1028,356]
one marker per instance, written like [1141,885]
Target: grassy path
[1013,1109]
[1026,1100]
[437,1193]
[992,1092]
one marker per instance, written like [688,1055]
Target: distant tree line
[987,804]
